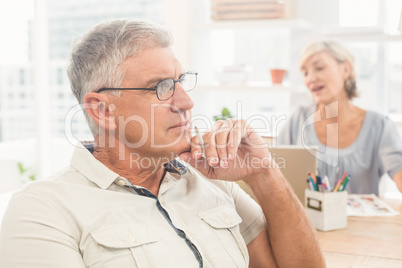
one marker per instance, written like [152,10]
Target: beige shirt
[89,216]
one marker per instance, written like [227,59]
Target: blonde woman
[361,142]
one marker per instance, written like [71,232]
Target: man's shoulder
[65,178]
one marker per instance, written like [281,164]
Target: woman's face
[325,78]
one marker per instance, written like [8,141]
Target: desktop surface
[366,241]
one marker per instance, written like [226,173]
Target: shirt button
[228,221]
[131,238]
[121,182]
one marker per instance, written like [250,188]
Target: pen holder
[327,211]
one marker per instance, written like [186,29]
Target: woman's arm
[398,180]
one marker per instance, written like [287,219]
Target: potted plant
[225,114]
[26,173]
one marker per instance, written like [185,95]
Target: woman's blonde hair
[340,54]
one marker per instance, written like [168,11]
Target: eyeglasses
[165,88]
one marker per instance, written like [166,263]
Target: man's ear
[98,106]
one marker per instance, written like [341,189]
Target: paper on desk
[368,205]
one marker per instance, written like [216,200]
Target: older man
[128,201]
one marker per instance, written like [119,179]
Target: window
[15,80]
[60,74]
[22,77]
[367,15]
[394,58]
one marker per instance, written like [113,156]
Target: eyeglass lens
[165,88]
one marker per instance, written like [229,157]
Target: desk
[365,242]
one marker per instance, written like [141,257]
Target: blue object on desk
[319,184]
[312,182]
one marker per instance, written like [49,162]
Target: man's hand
[233,151]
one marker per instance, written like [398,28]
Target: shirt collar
[95,171]
[90,167]
[176,167]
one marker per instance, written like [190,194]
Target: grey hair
[96,58]
[340,54]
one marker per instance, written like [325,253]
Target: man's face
[152,127]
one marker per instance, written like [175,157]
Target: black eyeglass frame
[155,89]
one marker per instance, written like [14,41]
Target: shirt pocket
[127,245]
[224,222]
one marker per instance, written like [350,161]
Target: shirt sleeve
[35,234]
[285,137]
[253,219]
[290,131]
[390,148]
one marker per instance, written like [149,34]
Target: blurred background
[232,46]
